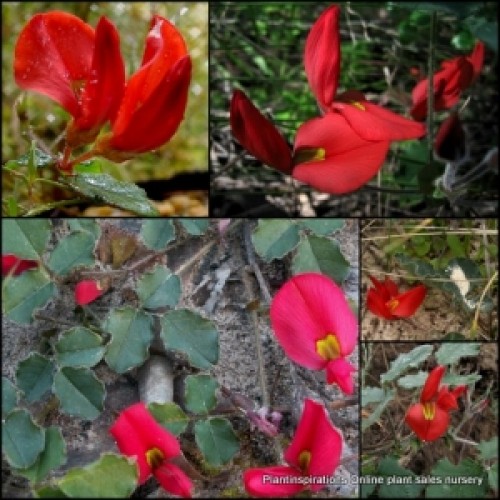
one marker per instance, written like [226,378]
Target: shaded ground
[438,315]
[218,283]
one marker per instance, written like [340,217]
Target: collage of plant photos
[250,250]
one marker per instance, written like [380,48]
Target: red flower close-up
[87,291]
[138,435]
[12,264]
[316,327]
[339,151]
[315,451]
[430,418]
[386,301]
[455,76]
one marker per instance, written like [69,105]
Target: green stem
[50,206]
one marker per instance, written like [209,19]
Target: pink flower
[315,326]
[314,451]
[138,435]
[16,265]
[87,291]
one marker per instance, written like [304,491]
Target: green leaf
[377,411]
[48,492]
[34,376]
[112,476]
[41,159]
[79,392]
[450,353]
[199,393]
[131,335]
[321,255]
[488,450]
[9,396]
[322,227]
[454,480]
[88,167]
[159,288]
[413,381]
[157,234]
[274,238]
[74,250]
[25,238]
[104,188]
[399,482]
[216,439]
[79,347]
[22,439]
[193,335]
[52,456]
[405,361]
[170,416]
[85,225]
[493,477]
[195,227]
[469,379]
[370,395]
[460,9]
[23,294]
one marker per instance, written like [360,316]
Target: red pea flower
[386,301]
[155,96]
[15,265]
[87,291]
[62,57]
[138,435]
[314,451]
[448,83]
[449,143]
[340,151]
[315,326]
[430,418]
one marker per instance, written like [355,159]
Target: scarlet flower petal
[409,302]
[316,434]
[306,309]
[427,430]
[259,481]
[349,161]
[477,58]
[322,56]
[87,291]
[446,400]
[155,97]
[257,134]
[384,289]
[339,372]
[374,123]
[16,265]
[459,390]
[103,90]
[377,305]
[53,52]
[431,386]
[173,480]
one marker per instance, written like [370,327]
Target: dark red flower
[15,265]
[155,96]
[430,418]
[314,452]
[138,435]
[87,291]
[62,57]
[386,301]
[448,83]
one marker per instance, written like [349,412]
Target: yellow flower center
[392,304]
[358,105]
[328,348]
[304,459]
[429,410]
[308,154]
[154,457]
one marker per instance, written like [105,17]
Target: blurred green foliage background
[186,152]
